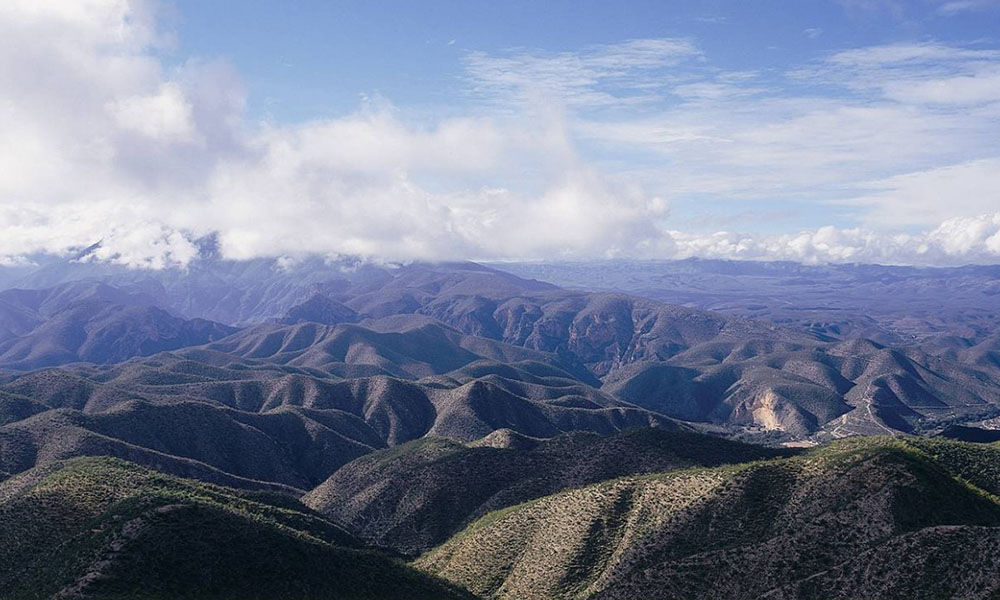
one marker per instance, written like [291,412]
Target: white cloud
[164,115]
[865,119]
[932,196]
[600,76]
[960,240]
[916,74]
[928,54]
[103,142]
[321,188]
[895,8]
[954,7]
[980,87]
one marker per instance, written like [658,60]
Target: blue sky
[819,130]
[310,59]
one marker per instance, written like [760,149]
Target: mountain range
[511,438]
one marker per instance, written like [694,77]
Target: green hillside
[861,518]
[415,496]
[105,528]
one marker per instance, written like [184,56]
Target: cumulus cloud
[959,240]
[103,141]
[164,115]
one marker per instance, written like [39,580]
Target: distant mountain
[410,348]
[103,528]
[241,293]
[701,366]
[91,322]
[827,390]
[867,518]
[288,405]
[412,322]
[413,497]
[892,305]
[526,440]
[48,302]
[320,309]
[232,292]
[104,333]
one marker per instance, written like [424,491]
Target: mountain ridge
[772,529]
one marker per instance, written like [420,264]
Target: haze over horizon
[839,131]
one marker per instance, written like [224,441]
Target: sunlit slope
[413,497]
[863,518]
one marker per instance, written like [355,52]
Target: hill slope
[428,322]
[859,519]
[249,422]
[413,497]
[103,528]
[91,322]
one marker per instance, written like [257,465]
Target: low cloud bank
[960,240]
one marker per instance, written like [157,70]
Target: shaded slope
[406,347]
[249,422]
[835,522]
[69,324]
[101,528]
[832,390]
[424,322]
[890,304]
[320,309]
[254,291]
[413,497]
[194,439]
[421,321]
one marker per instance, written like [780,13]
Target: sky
[808,130]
